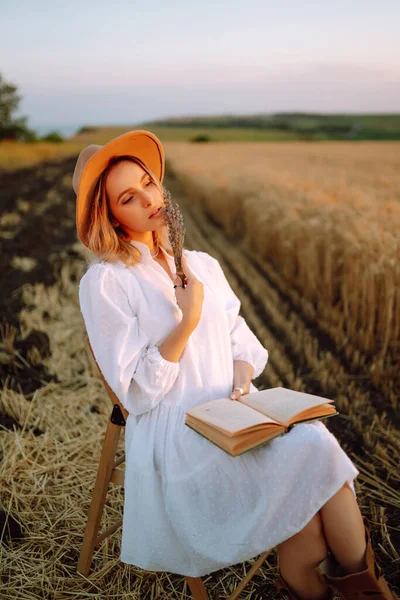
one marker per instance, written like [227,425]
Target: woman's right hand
[189,299]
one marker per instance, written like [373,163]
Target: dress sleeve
[135,369]
[245,345]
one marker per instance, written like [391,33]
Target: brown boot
[368,583]
[286,592]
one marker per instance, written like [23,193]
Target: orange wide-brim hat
[93,159]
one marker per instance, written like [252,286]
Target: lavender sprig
[176,231]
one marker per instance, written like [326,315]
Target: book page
[236,444]
[230,416]
[282,404]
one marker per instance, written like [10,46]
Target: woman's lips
[157,214]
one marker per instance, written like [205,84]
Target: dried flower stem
[176,231]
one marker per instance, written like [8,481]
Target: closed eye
[150,181]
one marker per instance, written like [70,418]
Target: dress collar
[146,254]
[144,249]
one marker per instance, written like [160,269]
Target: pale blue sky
[125,61]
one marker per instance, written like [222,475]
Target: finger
[185,266]
[236,393]
[186,270]
[185,262]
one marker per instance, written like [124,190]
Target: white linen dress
[191,508]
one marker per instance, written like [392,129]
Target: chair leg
[199,592]
[197,588]
[249,575]
[104,472]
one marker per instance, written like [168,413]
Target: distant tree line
[16,128]
[312,126]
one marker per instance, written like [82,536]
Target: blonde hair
[106,241]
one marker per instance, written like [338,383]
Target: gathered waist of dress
[178,405]
[162,407]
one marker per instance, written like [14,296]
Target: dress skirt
[191,508]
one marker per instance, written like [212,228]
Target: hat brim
[141,144]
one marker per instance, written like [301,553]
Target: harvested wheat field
[308,236]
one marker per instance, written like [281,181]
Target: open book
[237,426]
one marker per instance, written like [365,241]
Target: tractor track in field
[322,327]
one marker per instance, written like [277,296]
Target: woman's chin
[158,223]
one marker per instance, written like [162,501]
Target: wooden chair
[107,473]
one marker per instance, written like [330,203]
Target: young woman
[189,507]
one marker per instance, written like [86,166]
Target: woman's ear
[114,222]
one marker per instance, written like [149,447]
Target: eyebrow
[127,190]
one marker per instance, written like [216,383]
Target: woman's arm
[134,368]
[173,346]
[242,376]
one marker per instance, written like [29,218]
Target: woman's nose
[146,198]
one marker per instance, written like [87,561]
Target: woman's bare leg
[344,529]
[299,555]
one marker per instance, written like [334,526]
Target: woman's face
[133,197]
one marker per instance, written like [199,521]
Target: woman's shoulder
[101,272]
[202,256]
[203,260]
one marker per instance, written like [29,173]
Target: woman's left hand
[242,375]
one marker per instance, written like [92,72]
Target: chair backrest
[113,397]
